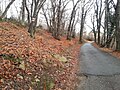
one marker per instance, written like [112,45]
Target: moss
[11,57]
[60,58]
[3,28]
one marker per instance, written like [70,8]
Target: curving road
[102,70]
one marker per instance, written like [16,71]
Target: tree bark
[99,13]
[118,25]
[82,25]
[28,13]
[23,12]
[71,18]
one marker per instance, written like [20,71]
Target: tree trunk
[94,34]
[32,26]
[70,22]
[23,12]
[98,34]
[28,13]
[118,26]
[36,6]
[107,21]
[58,21]
[47,21]
[81,33]
[99,13]
[82,25]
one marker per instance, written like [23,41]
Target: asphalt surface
[100,70]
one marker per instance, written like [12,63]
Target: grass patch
[3,28]
[11,57]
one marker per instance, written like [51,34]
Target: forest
[40,40]
[61,19]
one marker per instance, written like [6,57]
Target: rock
[1,80]
[51,85]
[22,65]
[19,76]
[61,58]
[37,80]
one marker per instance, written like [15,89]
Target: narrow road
[100,70]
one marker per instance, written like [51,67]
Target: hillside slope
[42,63]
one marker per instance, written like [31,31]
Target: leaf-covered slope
[42,63]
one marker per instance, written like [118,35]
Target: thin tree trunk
[94,34]
[6,9]
[48,25]
[28,13]
[70,22]
[82,25]
[23,12]
[81,32]
[58,22]
[36,6]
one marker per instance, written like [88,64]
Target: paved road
[102,70]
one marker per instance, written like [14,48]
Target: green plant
[11,57]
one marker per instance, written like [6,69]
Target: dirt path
[100,70]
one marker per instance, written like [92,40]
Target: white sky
[12,11]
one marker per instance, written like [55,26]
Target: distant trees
[61,20]
[56,18]
[54,15]
[57,22]
[111,27]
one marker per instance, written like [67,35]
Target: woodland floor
[42,63]
[108,50]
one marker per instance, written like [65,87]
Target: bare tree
[86,7]
[45,11]
[72,19]
[28,12]
[23,12]
[99,13]
[54,16]
[33,12]
[57,31]
[109,25]
[93,26]
[7,8]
